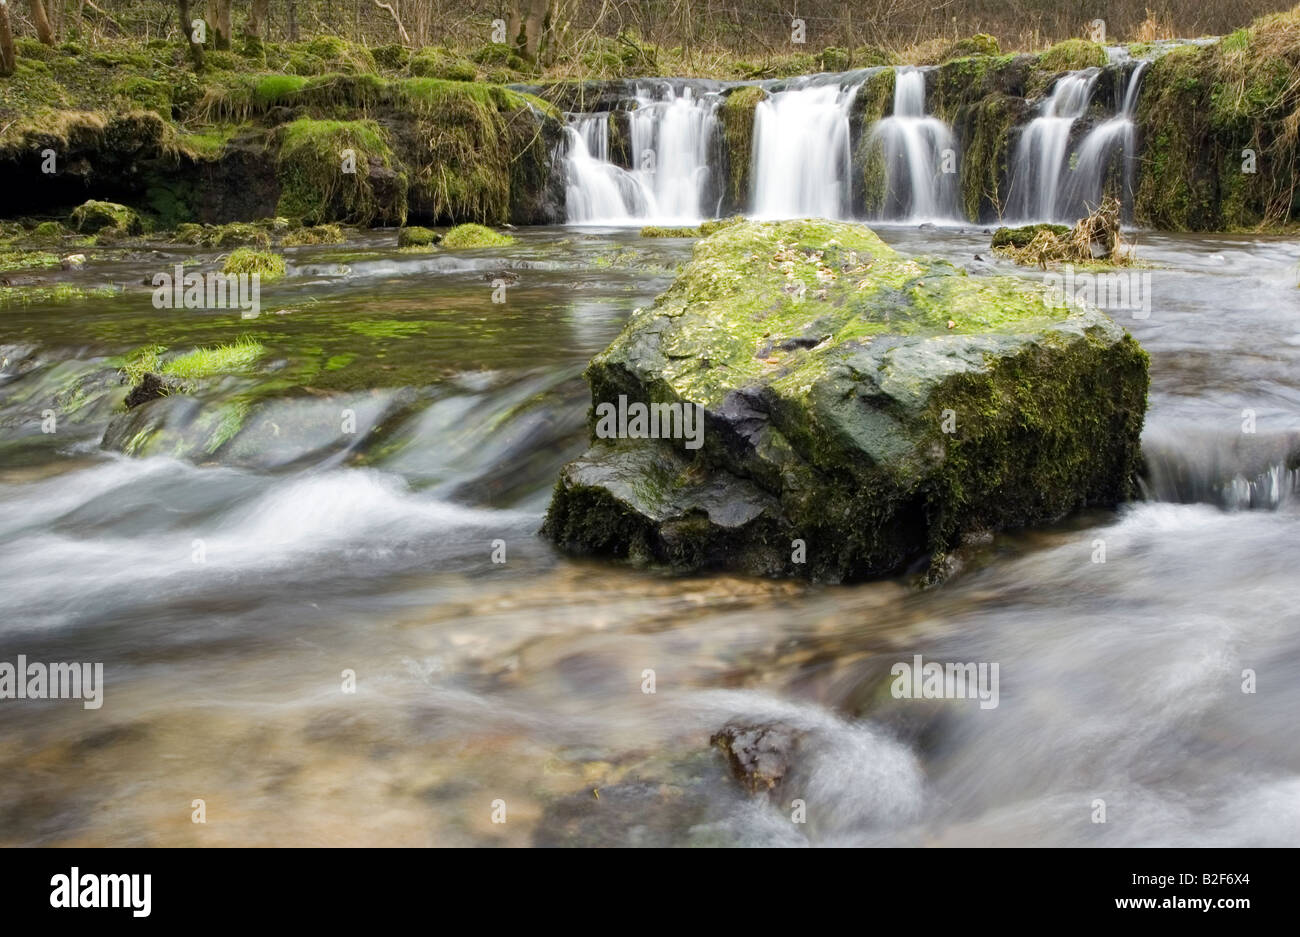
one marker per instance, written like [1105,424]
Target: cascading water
[673,133]
[598,192]
[1040,158]
[920,156]
[802,158]
[1116,137]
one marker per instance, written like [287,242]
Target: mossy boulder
[1025,234]
[267,265]
[475,235]
[737,117]
[316,234]
[416,236]
[1072,55]
[861,410]
[93,217]
[339,170]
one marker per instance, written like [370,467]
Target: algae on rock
[872,406]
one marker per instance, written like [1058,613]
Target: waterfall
[1235,472]
[597,191]
[1041,156]
[672,135]
[802,160]
[1114,137]
[919,155]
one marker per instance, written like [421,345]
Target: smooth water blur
[523,681]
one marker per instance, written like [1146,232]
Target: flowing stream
[228,595]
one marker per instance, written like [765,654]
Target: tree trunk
[257,17]
[8,58]
[42,22]
[525,25]
[221,26]
[187,37]
[293,20]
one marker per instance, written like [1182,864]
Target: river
[227,596]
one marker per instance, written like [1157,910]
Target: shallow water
[523,681]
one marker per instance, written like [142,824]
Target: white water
[803,163]
[920,155]
[1041,154]
[673,132]
[598,192]
[802,159]
[1113,138]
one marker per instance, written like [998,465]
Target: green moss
[854,355]
[1072,55]
[651,231]
[717,224]
[417,237]
[48,232]
[94,216]
[208,362]
[439,63]
[391,56]
[1022,236]
[979,44]
[984,164]
[61,293]
[27,260]
[315,184]
[317,234]
[771,285]
[136,364]
[247,260]
[226,235]
[737,117]
[475,235]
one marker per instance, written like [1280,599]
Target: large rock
[875,407]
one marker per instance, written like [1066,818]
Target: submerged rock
[860,410]
[151,387]
[759,756]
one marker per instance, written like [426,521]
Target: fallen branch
[406,39]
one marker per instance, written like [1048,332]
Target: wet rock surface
[860,410]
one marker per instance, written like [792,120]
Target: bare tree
[221,24]
[196,50]
[528,19]
[8,58]
[406,39]
[258,15]
[42,23]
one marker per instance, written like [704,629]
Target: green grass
[246,260]
[475,235]
[216,359]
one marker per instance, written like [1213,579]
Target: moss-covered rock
[654,231]
[1025,234]
[93,217]
[1072,55]
[475,235]
[737,117]
[860,410]
[314,234]
[416,236]
[266,264]
[334,170]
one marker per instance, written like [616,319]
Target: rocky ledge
[862,411]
